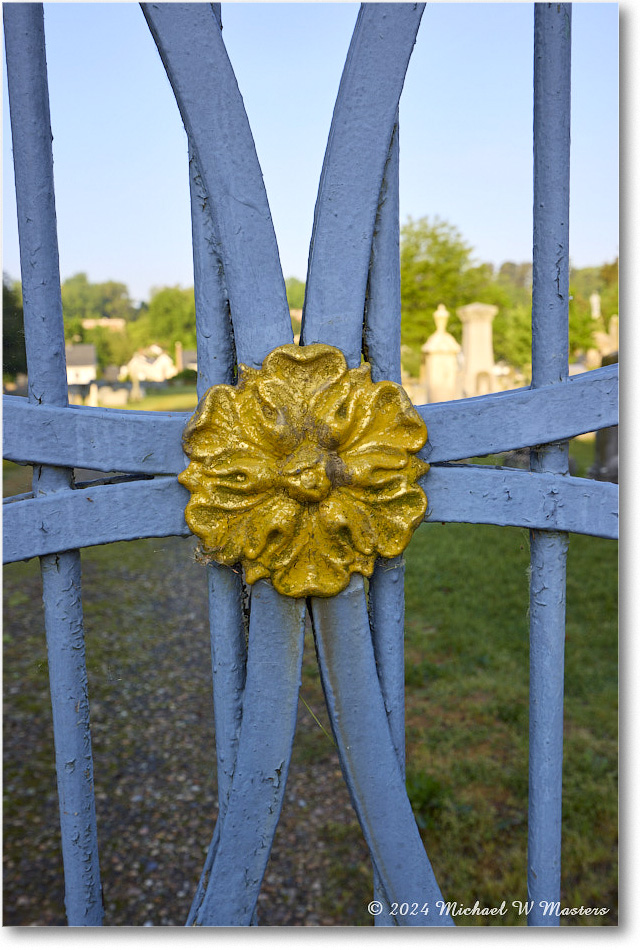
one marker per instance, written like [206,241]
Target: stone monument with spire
[440,356]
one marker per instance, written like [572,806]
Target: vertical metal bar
[216,360]
[552,101]
[44,331]
[216,363]
[382,348]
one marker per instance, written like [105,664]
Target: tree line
[437,266]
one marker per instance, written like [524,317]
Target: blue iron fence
[352,302]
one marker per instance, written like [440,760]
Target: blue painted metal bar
[229,658]
[520,418]
[107,440]
[44,334]
[368,758]
[382,330]
[551,138]
[214,333]
[216,364]
[189,40]
[149,442]
[154,508]
[353,168]
[265,745]
[382,349]
[481,494]
[188,37]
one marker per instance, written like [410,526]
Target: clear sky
[120,150]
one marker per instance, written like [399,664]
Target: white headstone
[440,362]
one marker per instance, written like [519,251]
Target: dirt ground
[153,741]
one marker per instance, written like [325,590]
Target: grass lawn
[466,726]
[467,714]
[171,399]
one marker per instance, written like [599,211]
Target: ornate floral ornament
[305,471]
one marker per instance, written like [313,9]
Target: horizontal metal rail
[150,442]
[475,494]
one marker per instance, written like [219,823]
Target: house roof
[80,354]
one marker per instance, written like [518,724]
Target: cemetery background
[466,715]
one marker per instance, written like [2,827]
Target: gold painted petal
[395,519]
[215,420]
[335,406]
[271,527]
[385,415]
[344,517]
[235,419]
[219,493]
[220,532]
[375,467]
[319,563]
[254,571]
[252,535]
[238,471]
[263,427]
[308,369]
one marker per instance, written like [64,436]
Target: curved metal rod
[368,757]
[275,654]
[382,349]
[216,362]
[190,45]
[353,169]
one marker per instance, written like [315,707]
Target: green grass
[467,714]
[172,399]
[467,709]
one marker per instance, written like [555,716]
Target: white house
[81,363]
[152,364]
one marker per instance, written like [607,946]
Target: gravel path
[150,693]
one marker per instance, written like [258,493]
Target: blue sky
[120,150]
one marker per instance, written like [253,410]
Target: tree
[584,282]
[82,300]
[170,318]
[437,267]
[14,354]
[295,290]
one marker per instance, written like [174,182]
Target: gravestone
[477,345]
[439,375]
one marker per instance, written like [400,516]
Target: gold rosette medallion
[305,471]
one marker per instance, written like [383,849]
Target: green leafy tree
[610,277]
[437,267]
[295,290]
[169,318]
[14,355]
[584,282]
[82,300]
